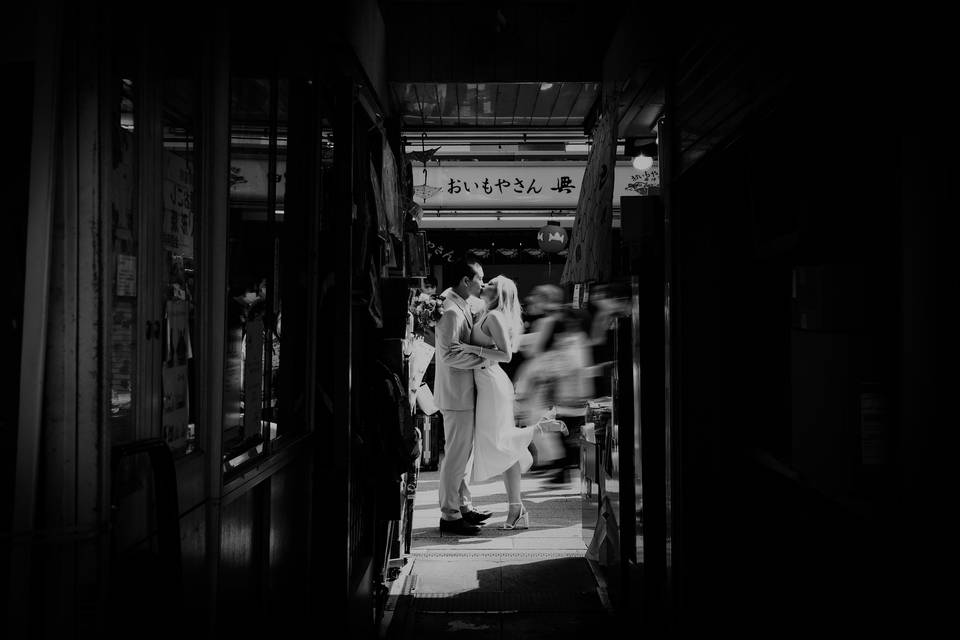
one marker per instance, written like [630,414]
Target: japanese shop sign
[249,179]
[512,185]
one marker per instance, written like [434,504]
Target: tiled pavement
[531,583]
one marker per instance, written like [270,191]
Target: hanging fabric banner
[382,222]
[589,253]
[391,200]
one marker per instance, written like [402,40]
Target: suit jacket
[454,388]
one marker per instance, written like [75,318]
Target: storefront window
[258,157]
[276,159]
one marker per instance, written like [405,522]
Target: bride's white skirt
[498,443]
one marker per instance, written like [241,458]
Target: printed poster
[126,275]
[178,347]
[178,218]
[176,407]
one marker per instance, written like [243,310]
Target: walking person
[455,395]
[499,446]
[557,382]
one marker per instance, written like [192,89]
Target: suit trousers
[458,428]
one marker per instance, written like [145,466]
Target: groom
[456,395]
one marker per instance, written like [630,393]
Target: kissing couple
[476,398]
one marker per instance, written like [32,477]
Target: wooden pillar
[63,527]
[670,164]
[214,194]
[334,461]
[90,465]
[42,198]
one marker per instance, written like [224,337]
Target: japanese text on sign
[516,185]
[512,184]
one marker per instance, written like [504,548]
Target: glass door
[152,196]
[176,288]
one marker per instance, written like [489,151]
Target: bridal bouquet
[427,310]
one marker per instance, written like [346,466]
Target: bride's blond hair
[508,303]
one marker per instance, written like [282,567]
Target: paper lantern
[552,237]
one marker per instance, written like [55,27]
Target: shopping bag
[425,400]
[604,548]
[549,447]
[421,354]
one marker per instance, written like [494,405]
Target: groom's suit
[456,395]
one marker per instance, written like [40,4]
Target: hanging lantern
[552,237]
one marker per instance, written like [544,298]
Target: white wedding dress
[497,441]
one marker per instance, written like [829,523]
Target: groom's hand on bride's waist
[459,347]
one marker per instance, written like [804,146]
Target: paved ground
[531,583]
[554,517]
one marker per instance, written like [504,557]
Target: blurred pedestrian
[556,382]
[544,305]
[608,302]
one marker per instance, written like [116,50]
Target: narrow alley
[533,583]
[307,300]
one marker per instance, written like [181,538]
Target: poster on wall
[126,276]
[176,406]
[178,219]
[250,179]
[124,345]
[178,347]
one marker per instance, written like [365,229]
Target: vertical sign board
[589,254]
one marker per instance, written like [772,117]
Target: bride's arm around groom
[498,334]
[449,339]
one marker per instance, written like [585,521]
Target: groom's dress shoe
[476,517]
[459,526]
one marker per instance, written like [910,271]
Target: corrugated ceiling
[502,105]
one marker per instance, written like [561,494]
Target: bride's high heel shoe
[522,520]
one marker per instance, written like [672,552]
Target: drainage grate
[507,601]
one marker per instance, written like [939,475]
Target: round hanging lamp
[552,237]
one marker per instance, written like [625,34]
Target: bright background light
[642,162]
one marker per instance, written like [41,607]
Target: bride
[499,446]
